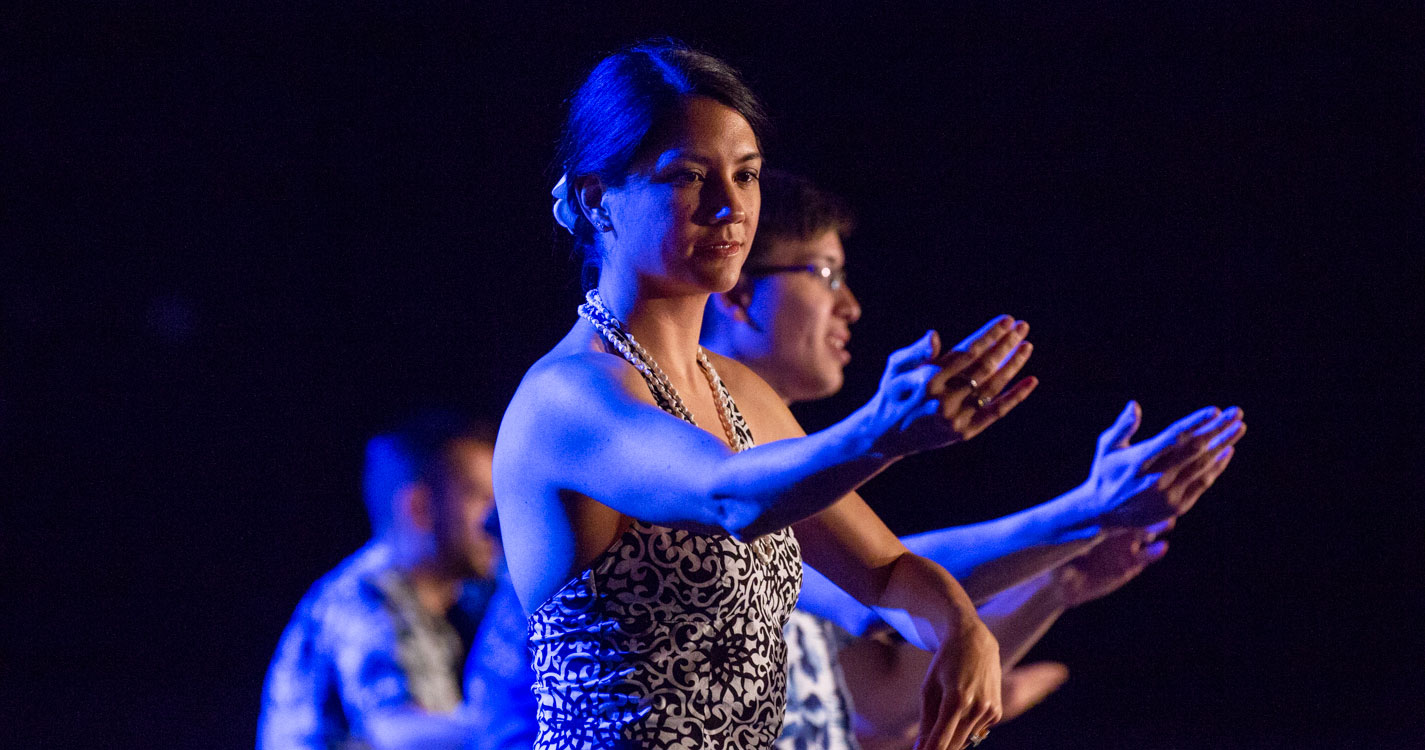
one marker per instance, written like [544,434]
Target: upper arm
[574,426]
[577,454]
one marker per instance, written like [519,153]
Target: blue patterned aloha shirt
[359,644]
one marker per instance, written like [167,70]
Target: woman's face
[683,220]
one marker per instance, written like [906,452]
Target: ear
[588,195]
[733,303]
[415,502]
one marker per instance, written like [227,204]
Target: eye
[688,177]
[747,175]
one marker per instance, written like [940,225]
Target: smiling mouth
[724,249]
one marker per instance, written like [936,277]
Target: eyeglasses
[835,278]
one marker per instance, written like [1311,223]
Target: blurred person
[373,656]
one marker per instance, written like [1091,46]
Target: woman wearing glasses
[650,541]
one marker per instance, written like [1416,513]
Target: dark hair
[416,450]
[794,208]
[627,96]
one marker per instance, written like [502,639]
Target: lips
[719,248]
[838,344]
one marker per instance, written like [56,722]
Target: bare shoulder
[767,415]
[571,379]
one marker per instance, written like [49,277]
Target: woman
[655,554]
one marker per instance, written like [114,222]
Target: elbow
[737,519]
[743,519]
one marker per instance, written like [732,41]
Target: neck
[415,559]
[436,591]
[721,338]
[667,325]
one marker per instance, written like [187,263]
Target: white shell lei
[597,313]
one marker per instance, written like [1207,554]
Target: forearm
[990,557]
[923,602]
[1020,616]
[884,673]
[776,484]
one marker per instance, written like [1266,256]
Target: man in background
[373,656]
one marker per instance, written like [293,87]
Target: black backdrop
[237,242]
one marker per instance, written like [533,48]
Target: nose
[847,307]
[731,205]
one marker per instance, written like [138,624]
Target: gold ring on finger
[978,737]
[981,400]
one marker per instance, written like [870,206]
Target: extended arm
[1159,478]
[582,438]
[1129,486]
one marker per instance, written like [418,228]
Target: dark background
[235,243]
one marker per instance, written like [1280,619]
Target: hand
[1111,563]
[1026,686]
[962,693]
[928,399]
[1134,486]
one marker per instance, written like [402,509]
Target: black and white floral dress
[670,639]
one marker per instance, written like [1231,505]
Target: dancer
[795,339]
[649,540]
[372,657]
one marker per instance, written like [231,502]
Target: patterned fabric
[669,640]
[818,704]
[360,643]
[499,682]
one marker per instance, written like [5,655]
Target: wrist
[865,438]
[1073,516]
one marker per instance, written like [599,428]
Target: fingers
[1117,436]
[969,723]
[1026,686]
[1152,553]
[981,725]
[1207,458]
[922,351]
[1000,406]
[977,346]
[1200,484]
[1187,445]
[996,382]
[1168,437]
[1158,529]
[990,360]
[988,334]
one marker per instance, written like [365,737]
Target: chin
[822,386]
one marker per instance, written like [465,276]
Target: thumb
[1117,436]
[915,355]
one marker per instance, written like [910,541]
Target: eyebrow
[674,154]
